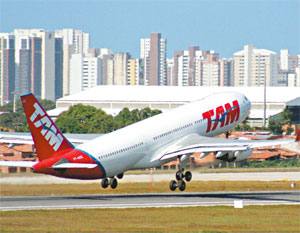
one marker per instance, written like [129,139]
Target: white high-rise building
[284,59]
[74,42]
[196,67]
[183,69]
[170,73]
[288,62]
[254,67]
[85,72]
[211,69]
[35,62]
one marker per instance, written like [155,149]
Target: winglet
[47,138]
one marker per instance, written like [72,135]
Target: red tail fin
[47,137]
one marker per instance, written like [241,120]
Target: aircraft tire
[179,175]
[188,176]
[120,176]
[104,183]
[173,185]
[113,183]
[181,185]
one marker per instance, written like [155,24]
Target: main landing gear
[112,181]
[180,177]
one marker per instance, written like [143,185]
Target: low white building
[112,99]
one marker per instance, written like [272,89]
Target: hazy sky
[224,26]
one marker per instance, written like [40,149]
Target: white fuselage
[136,145]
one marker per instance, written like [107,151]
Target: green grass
[194,219]
[159,187]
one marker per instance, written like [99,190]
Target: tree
[277,122]
[243,126]
[85,119]
[127,117]
[15,121]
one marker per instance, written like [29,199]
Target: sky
[224,26]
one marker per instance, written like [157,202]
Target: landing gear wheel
[173,185]
[113,183]
[179,175]
[181,185]
[120,176]
[188,176]
[104,183]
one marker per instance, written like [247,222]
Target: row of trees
[78,119]
[16,120]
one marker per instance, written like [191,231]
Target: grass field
[159,187]
[195,219]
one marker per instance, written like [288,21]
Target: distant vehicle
[174,135]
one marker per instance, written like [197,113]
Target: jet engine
[233,155]
[242,155]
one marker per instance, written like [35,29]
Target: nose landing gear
[180,177]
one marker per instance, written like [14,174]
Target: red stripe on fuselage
[70,156]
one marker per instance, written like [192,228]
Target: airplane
[169,136]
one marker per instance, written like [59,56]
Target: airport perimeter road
[242,176]
[149,200]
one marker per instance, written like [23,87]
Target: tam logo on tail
[48,131]
[48,139]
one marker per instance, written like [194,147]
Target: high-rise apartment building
[85,72]
[153,55]
[254,67]
[211,70]
[59,67]
[183,73]
[7,67]
[120,65]
[194,67]
[288,62]
[170,73]
[133,72]
[226,72]
[74,42]
[35,62]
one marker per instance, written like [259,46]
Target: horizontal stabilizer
[74,165]
[17,163]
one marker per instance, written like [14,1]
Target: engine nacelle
[242,155]
[226,156]
[233,155]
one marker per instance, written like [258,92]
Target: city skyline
[223,26]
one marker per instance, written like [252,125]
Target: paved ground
[243,176]
[149,200]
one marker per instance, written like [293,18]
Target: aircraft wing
[25,138]
[194,143]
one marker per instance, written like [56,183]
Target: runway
[149,200]
[157,177]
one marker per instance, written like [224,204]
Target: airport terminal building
[113,99]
